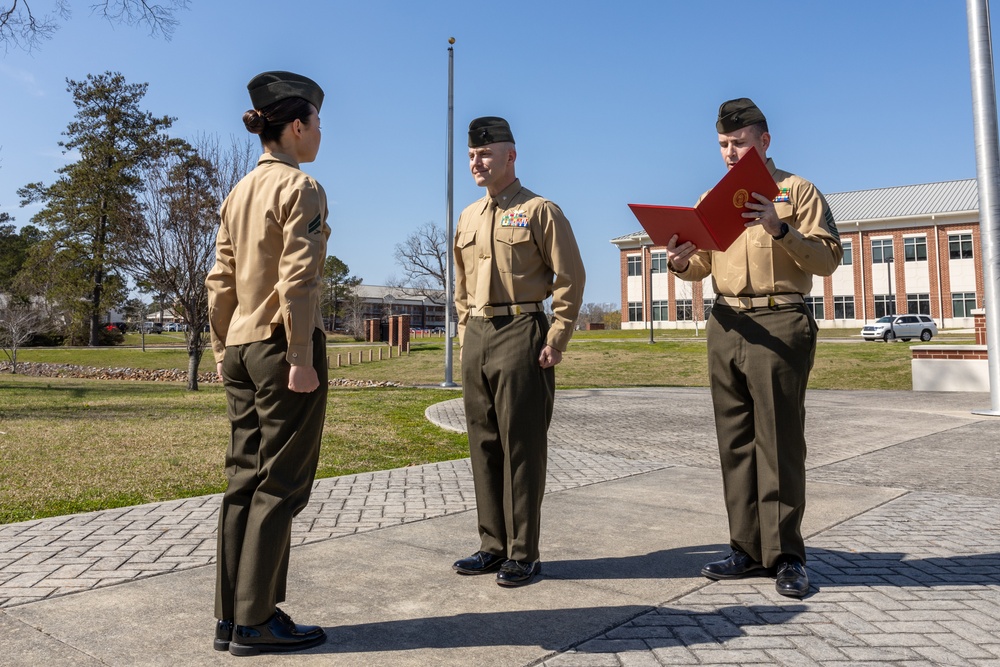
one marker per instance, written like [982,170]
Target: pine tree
[90,211]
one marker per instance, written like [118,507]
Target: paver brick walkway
[914,581]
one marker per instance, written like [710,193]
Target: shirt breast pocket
[784,211]
[514,249]
[467,246]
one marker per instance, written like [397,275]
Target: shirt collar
[505,197]
[278,157]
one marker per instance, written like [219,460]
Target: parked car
[152,327]
[173,326]
[903,327]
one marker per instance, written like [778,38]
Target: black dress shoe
[736,566]
[792,579]
[518,572]
[223,633]
[480,562]
[277,634]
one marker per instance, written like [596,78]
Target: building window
[848,257]
[660,312]
[885,304]
[634,311]
[684,313]
[634,265]
[962,304]
[658,262]
[815,306]
[881,251]
[707,305]
[960,246]
[843,307]
[918,304]
[915,249]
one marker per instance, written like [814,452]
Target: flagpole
[450,327]
[984,117]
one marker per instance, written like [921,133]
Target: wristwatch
[784,230]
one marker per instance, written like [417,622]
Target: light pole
[888,273]
[449,274]
[649,291]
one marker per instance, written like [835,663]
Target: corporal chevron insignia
[316,225]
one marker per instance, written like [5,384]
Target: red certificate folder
[718,219]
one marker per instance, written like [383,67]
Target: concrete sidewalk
[903,534]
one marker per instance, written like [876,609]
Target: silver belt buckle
[487,312]
[745,302]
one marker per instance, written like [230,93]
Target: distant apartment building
[907,249]
[425,307]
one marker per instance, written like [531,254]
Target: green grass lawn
[70,445]
[77,445]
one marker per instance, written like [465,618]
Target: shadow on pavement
[866,568]
[535,628]
[682,562]
[827,567]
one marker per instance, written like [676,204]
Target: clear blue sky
[610,102]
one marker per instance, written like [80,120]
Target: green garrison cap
[270,87]
[738,113]
[489,130]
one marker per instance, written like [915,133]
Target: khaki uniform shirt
[269,259]
[518,248]
[758,264]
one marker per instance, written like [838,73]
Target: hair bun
[254,121]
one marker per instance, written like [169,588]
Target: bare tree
[354,316]
[231,163]
[23,27]
[173,245]
[423,257]
[20,319]
[592,313]
[685,292]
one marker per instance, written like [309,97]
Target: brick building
[907,249]
[425,307]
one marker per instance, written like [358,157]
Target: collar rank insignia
[514,219]
[783,196]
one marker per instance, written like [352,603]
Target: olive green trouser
[270,465]
[759,363]
[508,407]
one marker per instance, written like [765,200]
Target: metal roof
[896,202]
[400,294]
[905,201]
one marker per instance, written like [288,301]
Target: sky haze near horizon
[609,103]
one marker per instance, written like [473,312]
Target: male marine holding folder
[513,249]
[761,344]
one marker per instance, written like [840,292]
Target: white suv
[903,327]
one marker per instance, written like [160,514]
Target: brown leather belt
[751,302]
[489,312]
